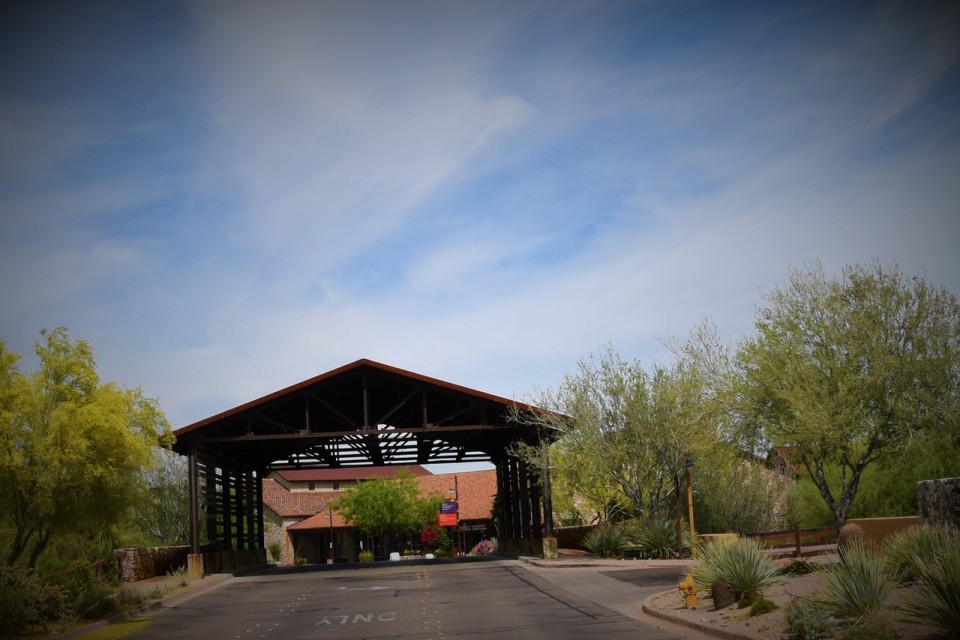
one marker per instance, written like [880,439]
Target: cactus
[721,594]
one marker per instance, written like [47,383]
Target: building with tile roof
[297,506]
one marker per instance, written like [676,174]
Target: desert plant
[605,541]
[655,538]
[906,549]
[849,534]
[936,600]
[874,629]
[741,564]
[482,548]
[274,549]
[858,586]
[720,593]
[26,602]
[799,567]
[761,606]
[804,620]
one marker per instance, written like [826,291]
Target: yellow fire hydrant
[689,589]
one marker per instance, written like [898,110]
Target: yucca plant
[906,549]
[936,600]
[741,564]
[858,586]
[656,538]
[605,541]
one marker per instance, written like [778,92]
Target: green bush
[26,602]
[906,549]
[655,538]
[761,606]
[870,630]
[366,556]
[858,586]
[274,548]
[606,541]
[936,600]
[741,564]
[804,620]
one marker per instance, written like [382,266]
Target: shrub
[906,549]
[656,538]
[761,606]
[936,600]
[27,602]
[482,548]
[435,538]
[870,630]
[274,548]
[605,541]
[804,620]
[366,556]
[858,586]
[740,564]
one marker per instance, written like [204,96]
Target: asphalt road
[488,600]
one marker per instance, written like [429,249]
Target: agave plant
[857,587]
[907,549]
[936,600]
[741,564]
[656,538]
[605,541]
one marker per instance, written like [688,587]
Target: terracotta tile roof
[476,490]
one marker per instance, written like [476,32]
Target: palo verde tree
[624,429]
[71,448]
[846,372]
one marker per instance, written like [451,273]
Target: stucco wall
[876,529]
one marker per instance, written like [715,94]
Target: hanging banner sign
[447,519]
[448,507]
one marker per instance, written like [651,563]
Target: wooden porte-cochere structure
[362,414]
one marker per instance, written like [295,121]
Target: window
[312,486]
[336,486]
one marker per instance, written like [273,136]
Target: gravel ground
[770,626]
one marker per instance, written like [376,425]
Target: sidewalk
[584,575]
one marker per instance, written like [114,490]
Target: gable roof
[362,414]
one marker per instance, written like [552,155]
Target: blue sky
[226,198]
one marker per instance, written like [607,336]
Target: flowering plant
[482,548]
[433,537]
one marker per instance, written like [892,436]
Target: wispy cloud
[482,193]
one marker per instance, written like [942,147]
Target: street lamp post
[693,535]
[330,557]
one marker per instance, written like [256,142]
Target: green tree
[162,516]
[847,372]
[384,506]
[622,429]
[71,448]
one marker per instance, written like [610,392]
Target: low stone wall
[938,502]
[140,564]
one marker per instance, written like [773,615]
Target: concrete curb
[690,624]
[209,583]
